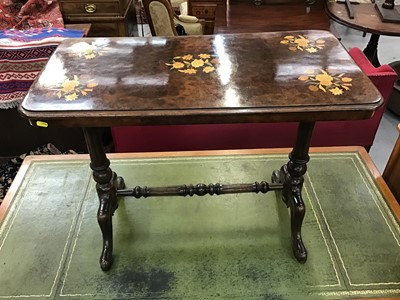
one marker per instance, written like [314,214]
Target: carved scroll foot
[297,212]
[106,258]
[104,218]
[299,250]
[108,205]
[291,176]
[291,196]
[107,184]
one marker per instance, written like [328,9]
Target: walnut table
[366,19]
[301,77]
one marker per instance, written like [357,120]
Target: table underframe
[289,179]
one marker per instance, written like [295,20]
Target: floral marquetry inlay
[72,89]
[325,81]
[301,43]
[192,64]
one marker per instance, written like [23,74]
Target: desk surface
[279,76]
[366,18]
[237,246]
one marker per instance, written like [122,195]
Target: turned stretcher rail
[200,189]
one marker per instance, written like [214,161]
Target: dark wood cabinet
[107,17]
[205,11]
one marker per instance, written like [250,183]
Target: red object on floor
[260,135]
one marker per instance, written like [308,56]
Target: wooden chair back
[161,17]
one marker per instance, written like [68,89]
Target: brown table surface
[271,77]
[366,18]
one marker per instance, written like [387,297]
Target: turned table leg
[291,176]
[107,184]
[371,50]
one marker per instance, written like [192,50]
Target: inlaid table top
[277,76]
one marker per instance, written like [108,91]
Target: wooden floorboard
[243,16]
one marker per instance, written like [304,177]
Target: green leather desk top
[226,247]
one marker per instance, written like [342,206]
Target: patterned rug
[23,54]
[9,170]
[28,14]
